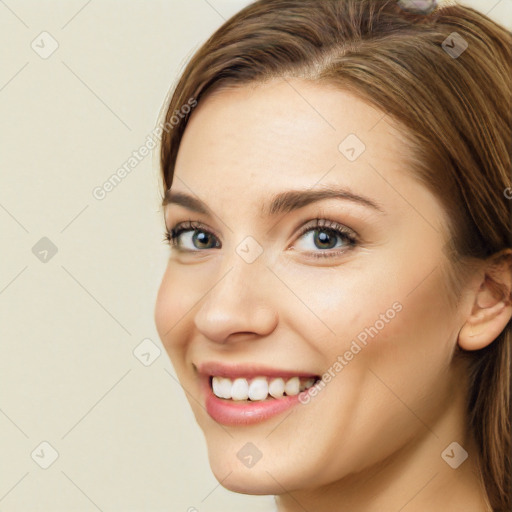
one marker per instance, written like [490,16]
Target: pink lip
[230,413]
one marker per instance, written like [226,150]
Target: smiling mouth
[259,389]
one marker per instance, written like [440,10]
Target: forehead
[283,126]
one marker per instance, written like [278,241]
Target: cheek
[387,369]
[355,301]
[414,353]
[392,318]
[406,360]
[171,307]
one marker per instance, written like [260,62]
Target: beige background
[123,431]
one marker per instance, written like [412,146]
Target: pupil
[201,237]
[323,238]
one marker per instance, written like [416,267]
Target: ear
[492,305]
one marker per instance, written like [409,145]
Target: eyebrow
[283,202]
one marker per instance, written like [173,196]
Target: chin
[266,477]
[246,480]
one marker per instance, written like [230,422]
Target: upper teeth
[259,388]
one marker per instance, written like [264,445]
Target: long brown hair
[455,106]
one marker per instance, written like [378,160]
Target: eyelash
[345,233]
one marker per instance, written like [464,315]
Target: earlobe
[483,327]
[492,307]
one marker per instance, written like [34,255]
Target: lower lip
[232,413]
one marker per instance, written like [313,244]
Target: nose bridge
[239,300]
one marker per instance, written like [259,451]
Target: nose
[240,303]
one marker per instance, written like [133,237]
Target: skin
[372,439]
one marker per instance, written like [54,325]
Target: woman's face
[258,288]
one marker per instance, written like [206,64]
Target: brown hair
[457,115]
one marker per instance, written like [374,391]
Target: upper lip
[233,371]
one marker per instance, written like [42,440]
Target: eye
[190,236]
[331,238]
[327,235]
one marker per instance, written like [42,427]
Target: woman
[337,300]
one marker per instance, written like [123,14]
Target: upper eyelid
[326,223]
[191,225]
